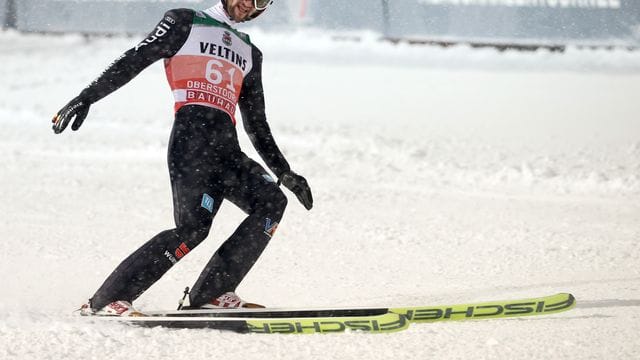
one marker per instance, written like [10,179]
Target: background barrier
[108,16]
[597,22]
[4,21]
[549,21]
[604,22]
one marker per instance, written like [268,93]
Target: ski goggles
[262,4]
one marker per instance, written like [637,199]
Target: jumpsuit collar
[217,12]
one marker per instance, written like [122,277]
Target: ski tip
[565,301]
[490,309]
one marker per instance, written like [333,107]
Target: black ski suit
[206,166]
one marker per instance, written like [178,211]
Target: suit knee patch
[207,202]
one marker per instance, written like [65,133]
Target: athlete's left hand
[299,186]
[77,108]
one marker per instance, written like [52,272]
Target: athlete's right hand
[77,108]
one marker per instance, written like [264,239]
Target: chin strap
[255,15]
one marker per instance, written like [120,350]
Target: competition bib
[210,67]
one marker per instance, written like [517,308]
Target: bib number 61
[216,71]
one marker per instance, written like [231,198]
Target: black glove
[299,186]
[78,108]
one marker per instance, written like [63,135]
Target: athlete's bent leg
[147,265]
[196,199]
[262,199]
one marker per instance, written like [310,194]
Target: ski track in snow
[439,176]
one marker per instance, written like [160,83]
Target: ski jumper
[211,68]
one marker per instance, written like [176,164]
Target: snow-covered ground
[439,176]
